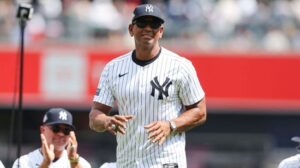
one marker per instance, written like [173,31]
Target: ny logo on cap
[149,8]
[63,115]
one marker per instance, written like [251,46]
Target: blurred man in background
[293,161]
[59,144]
[158,94]
[1,165]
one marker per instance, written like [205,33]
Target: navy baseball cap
[147,10]
[58,116]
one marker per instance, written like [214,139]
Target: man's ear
[161,30]
[130,29]
[42,129]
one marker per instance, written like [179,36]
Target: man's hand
[48,152]
[72,147]
[158,131]
[117,123]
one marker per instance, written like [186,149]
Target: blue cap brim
[54,123]
[135,18]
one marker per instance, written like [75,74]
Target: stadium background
[246,53]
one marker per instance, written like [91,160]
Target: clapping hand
[72,146]
[48,151]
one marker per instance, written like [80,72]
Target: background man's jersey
[291,162]
[35,158]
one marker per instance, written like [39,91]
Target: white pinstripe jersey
[35,158]
[153,92]
[291,162]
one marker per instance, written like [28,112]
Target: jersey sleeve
[282,165]
[104,93]
[84,163]
[109,165]
[23,163]
[1,164]
[190,90]
[15,165]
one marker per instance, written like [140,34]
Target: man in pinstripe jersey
[58,144]
[158,94]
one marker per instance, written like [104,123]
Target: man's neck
[147,53]
[58,153]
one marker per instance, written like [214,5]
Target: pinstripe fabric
[133,90]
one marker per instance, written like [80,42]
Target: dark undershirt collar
[144,62]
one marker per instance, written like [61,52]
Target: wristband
[74,160]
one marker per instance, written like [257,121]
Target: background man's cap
[296,139]
[58,116]
[147,10]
